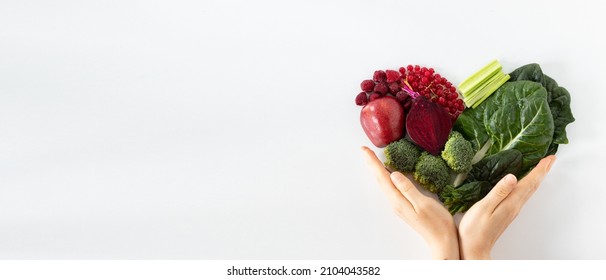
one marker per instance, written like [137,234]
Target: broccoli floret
[432,172]
[402,155]
[458,153]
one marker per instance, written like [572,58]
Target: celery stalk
[492,88]
[478,94]
[472,83]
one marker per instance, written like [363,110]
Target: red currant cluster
[422,80]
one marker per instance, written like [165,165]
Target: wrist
[445,249]
[475,254]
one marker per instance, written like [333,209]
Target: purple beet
[427,124]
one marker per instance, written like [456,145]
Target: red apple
[383,121]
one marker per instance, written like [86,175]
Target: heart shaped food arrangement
[458,142]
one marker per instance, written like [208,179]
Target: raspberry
[402,96]
[394,87]
[379,76]
[367,85]
[423,80]
[392,76]
[361,99]
[374,97]
[381,88]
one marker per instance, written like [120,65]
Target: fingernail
[549,162]
[396,175]
[510,179]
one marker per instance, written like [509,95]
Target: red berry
[361,99]
[379,76]
[410,78]
[441,101]
[392,76]
[409,67]
[417,68]
[453,96]
[424,80]
[402,71]
[381,88]
[367,85]
[394,87]
[402,96]
[460,106]
[374,97]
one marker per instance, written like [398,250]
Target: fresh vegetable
[522,122]
[516,116]
[458,153]
[512,122]
[402,155]
[557,97]
[482,84]
[383,121]
[494,167]
[461,198]
[432,172]
[427,123]
[481,179]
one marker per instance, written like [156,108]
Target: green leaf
[471,125]
[494,167]
[557,97]
[460,199]
[518,117]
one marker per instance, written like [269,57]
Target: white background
[228,130]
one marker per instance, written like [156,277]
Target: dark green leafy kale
[484,175]
[494,167]
[557,97]
[461,198]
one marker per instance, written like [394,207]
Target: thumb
[500,191]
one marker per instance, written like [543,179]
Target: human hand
[424,214]
[486,220]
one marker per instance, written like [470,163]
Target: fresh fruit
[361,99]
[383,121]
[423,80]
[379,76]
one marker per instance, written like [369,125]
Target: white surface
[227,129]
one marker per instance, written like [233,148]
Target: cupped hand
[424,214]
[486,220]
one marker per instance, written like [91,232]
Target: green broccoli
[402,155]
[432,172]
[458,153]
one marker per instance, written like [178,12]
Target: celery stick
[480,77]
[492,88]
[480,91]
